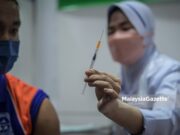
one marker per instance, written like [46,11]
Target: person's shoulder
[47,114]
[169,60]
[17,82]
[20,89]
[162,62]
[162,65]
[24,96]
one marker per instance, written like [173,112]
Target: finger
[96,77]
[111,93]
[104,78]
[88,72]
[88,80]
[98,84]
[116,79]
[91,71]
[115,84]
[95,71]
[103,75]
[101,84]
[102,102]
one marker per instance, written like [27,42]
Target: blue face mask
[8,55]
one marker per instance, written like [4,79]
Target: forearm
[124,115]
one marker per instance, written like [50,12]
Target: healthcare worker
[24,109]
[145,73]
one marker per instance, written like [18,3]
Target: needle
[94,58]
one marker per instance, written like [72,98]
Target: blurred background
[57,44]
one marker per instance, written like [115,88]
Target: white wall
[63,48]
[65,45]
[24,66]
[168,28]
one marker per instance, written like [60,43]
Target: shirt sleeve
[164,118]
[36,104]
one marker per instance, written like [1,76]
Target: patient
[24,109]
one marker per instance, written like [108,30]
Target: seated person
[24,109]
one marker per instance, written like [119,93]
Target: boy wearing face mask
[145,72]
[24,109]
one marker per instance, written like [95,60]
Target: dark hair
[111,10]
[15,2]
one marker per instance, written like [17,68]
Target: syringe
[94,58]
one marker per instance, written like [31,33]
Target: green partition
[75,4]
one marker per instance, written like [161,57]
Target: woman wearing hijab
[144,73]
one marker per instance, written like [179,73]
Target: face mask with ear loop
[8,54]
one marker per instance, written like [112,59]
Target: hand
[107,86]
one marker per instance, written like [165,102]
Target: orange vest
[22,96]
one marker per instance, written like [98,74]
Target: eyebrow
[126,22]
